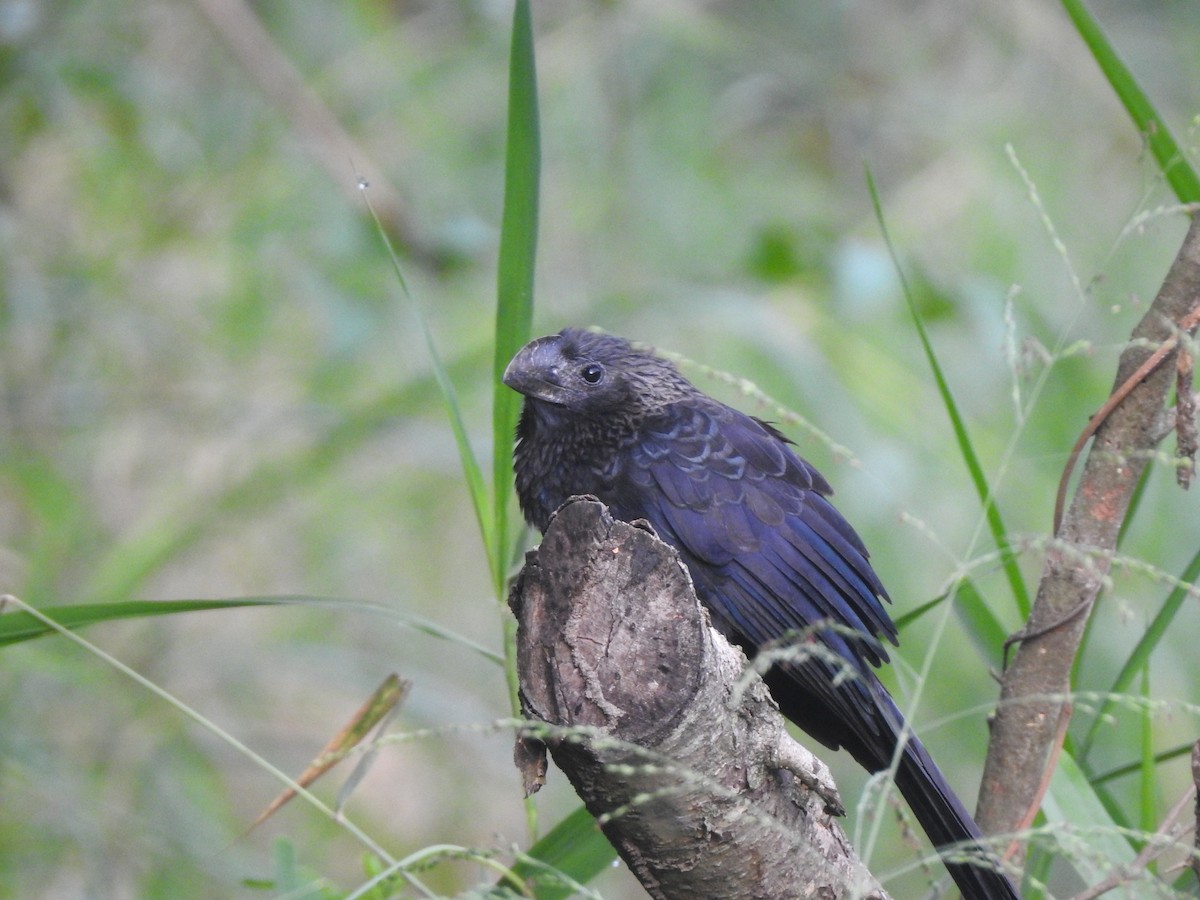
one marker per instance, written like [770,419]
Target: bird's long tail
[950,827]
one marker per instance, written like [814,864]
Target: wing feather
[732,496]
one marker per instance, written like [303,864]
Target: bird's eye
[592,373]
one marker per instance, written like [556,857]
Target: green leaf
[928,606]
[1174,164]
[514,314]
[518,249]
[287,874]
[1073,802]
[575,847]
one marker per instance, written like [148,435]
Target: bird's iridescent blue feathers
[770,557]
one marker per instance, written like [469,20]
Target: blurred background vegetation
[211,386]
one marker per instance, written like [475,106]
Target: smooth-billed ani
[769,555]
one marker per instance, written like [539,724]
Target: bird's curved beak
[534,371]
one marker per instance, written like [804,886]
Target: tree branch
[1194,862]
[677,750]
[1036,688]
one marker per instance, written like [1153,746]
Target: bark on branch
[681,755]
[1034,699]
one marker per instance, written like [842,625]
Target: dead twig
[345,161]
[1162,841]
[1185,418]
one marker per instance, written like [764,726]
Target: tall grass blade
[983,626]
[514,315]
[966,448]
[24,626]
[476,486]
[1174,164]
[203,721]
[1147,793]
[1130,768]
[514,289]
[1139,658]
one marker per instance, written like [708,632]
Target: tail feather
[953,831]
[869,725]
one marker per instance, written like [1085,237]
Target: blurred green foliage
[209,385]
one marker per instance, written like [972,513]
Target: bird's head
[581,372]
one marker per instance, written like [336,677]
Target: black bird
[768,553]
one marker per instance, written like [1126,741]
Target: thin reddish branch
[1035,692]
[1185,428]
[1188,324]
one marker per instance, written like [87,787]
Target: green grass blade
[966,448]
[1135,503]
[575,847]
[983,626]
[1179,174]
[928,606]
[1146,794]
[518,248]
[514,314]
[204,722]
[1130,768]
[1139,658]
[23,626]
[472,472]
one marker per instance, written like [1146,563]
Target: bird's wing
[766,549]
[735,496]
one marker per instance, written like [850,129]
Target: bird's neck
[559,456]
